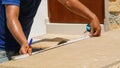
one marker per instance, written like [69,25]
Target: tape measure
[88,28]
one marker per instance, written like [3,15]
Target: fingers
[22,51]
[25,50]
[95,32]
[30,51]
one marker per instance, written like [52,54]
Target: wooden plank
[97,52]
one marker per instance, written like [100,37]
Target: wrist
[24,43]
[93,17]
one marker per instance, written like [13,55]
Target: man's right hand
[23,49]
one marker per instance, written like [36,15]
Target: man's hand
[95,27]
[25,49]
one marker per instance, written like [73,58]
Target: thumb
[92,31]
[30,51]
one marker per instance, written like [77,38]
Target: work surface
[97,52]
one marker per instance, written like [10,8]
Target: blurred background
[114,16]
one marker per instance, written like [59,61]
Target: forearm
[78,8]
[12,14]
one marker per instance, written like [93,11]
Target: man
[15,26]
[16,18]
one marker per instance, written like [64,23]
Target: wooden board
[97,52]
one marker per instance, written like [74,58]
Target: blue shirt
[28,9]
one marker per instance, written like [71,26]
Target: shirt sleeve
[11,2]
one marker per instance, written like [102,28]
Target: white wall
[39,27]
